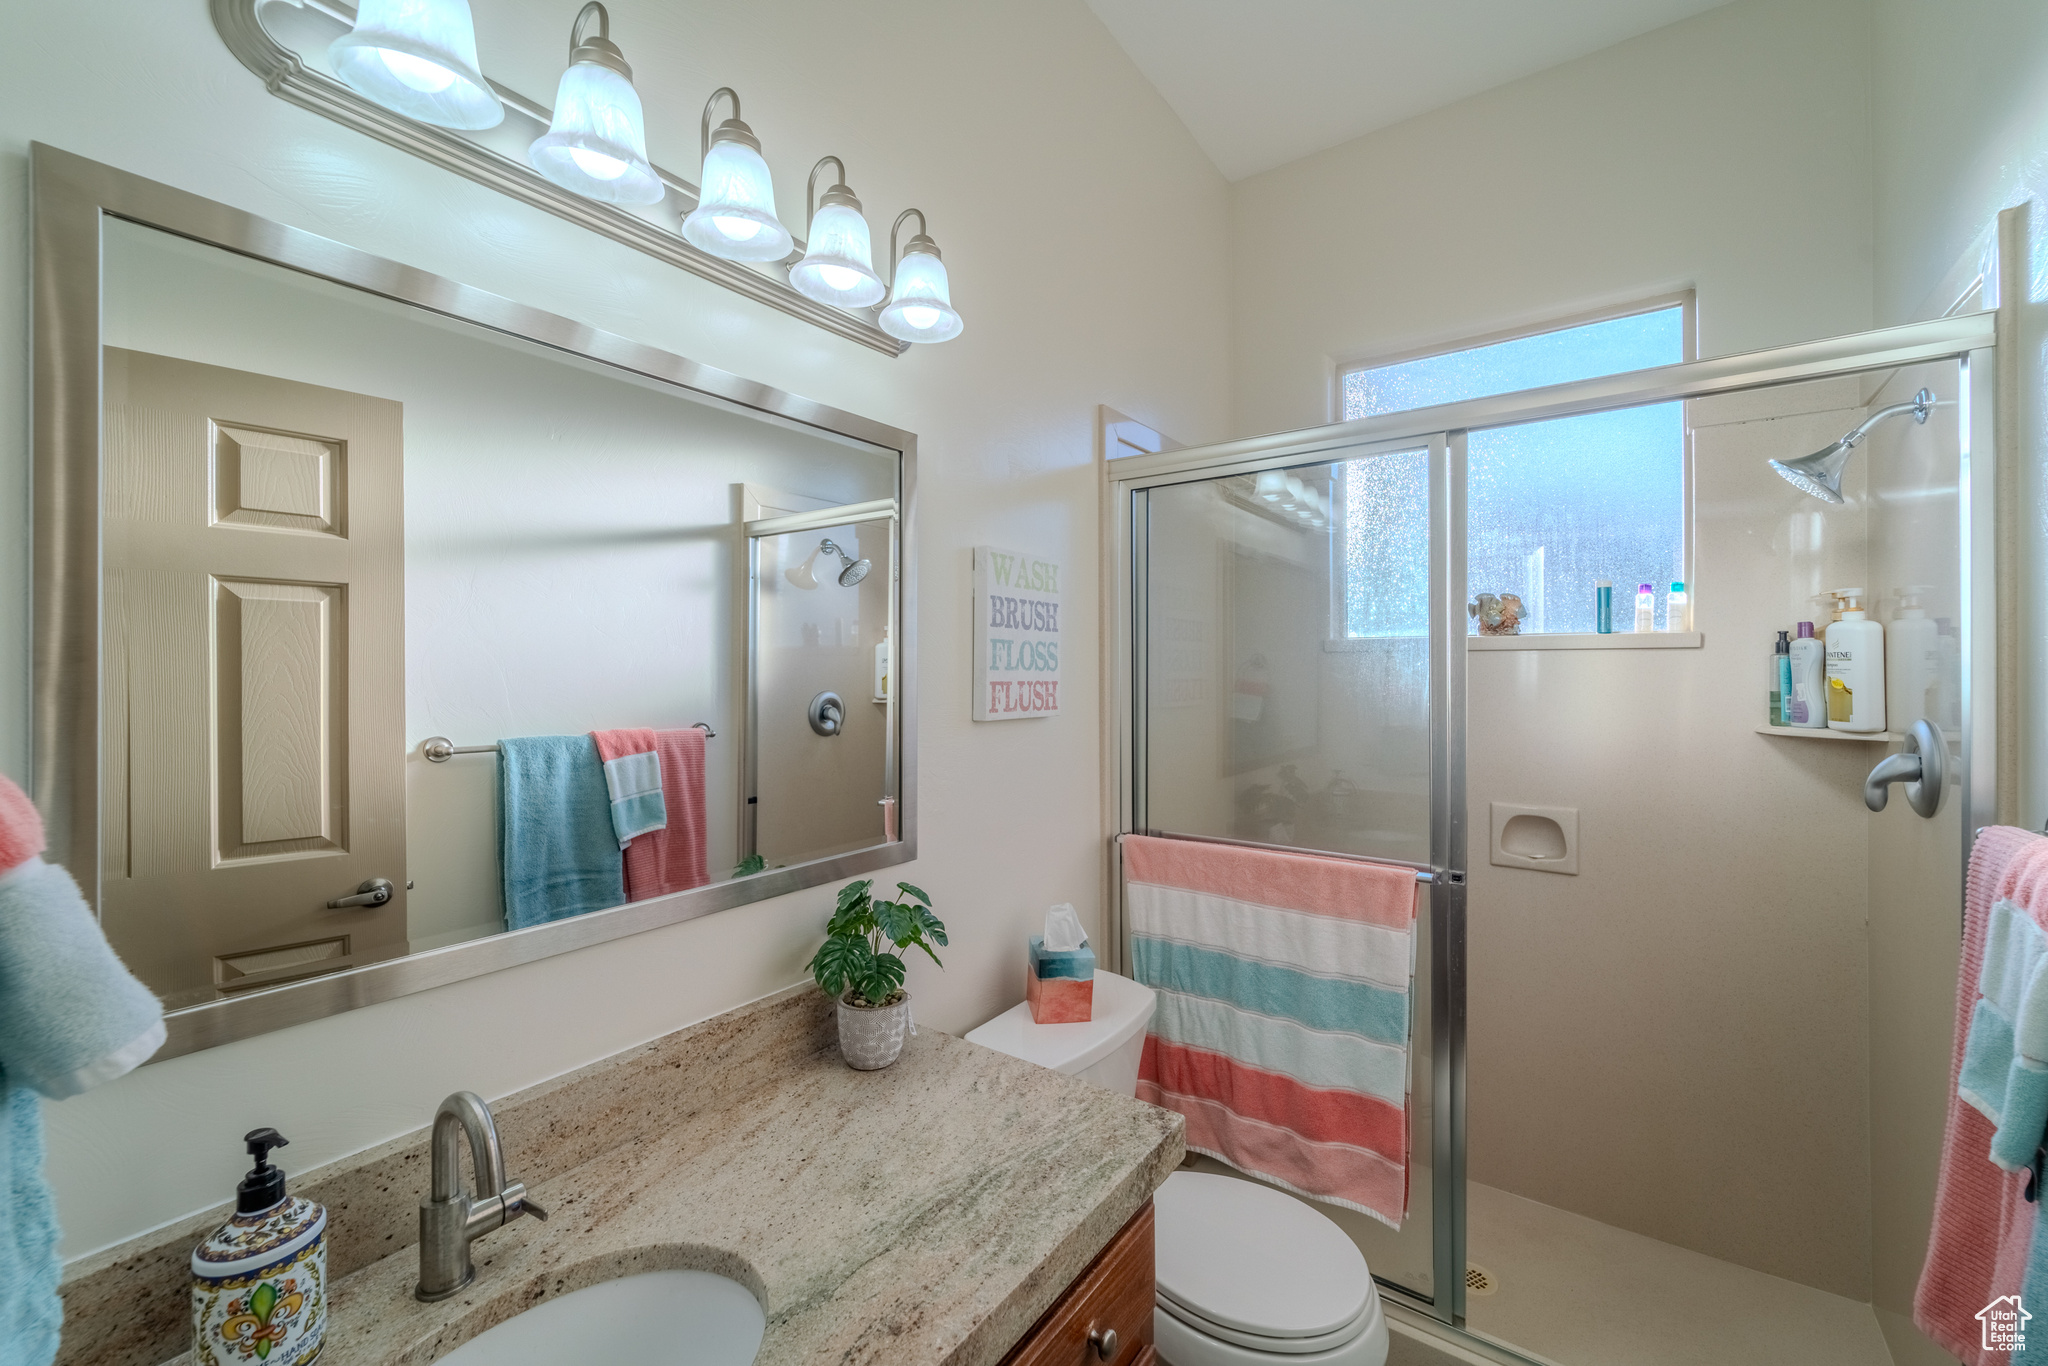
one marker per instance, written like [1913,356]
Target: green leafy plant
[750,865]
[854,963]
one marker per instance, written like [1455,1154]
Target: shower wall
[1674,1041]
[1913,885]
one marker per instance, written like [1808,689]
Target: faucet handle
[515,1203]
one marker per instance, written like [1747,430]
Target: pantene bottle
[1855,669]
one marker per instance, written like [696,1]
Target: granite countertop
[924,1215]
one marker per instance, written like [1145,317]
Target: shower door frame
[1967,339]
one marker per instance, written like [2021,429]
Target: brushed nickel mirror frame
[71,198]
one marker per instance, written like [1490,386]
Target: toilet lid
[1254,1259]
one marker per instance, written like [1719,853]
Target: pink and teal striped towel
[1283,1021]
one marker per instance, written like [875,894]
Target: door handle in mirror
[374,892]
[1922,766]
[827,713]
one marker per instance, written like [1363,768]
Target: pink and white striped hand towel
[1283,1024]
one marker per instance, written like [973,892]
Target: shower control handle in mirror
[827,713]
[1922,765]
[373,892]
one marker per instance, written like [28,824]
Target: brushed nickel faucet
[451,1220]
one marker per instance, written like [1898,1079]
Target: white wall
[1960,118]
[1961,124]
[1728,152]
[971,120]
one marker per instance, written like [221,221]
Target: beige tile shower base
[1577,1292]
[1581,1293]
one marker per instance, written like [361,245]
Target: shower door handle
[1922,766]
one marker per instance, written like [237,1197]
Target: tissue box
[1060,984]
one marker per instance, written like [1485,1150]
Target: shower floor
[1577,1292]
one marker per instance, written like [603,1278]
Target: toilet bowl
[1246,1275]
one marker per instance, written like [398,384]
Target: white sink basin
[658,1318]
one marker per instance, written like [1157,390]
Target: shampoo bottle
[259,1283]
[1646,609]
[1808,708]
[1912,657]
[1855,669]
[1677,609]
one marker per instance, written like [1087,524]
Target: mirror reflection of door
[254,670]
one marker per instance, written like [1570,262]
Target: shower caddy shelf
[1853,736]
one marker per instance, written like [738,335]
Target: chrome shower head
[1820,474]
[851,571]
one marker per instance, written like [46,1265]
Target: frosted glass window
[1551,507]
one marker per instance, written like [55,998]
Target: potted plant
[855,967]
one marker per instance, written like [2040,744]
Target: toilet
[1246,1275]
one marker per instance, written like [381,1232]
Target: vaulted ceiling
[1261,83]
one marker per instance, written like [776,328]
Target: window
[1551,507]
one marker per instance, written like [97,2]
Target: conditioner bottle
[1855,668]
[1809,706]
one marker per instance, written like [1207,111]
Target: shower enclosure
[1687,1097]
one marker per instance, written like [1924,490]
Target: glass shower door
[1292,690]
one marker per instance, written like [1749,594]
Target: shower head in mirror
[1820,474]
[851,571]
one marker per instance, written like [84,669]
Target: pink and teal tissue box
[1060,984]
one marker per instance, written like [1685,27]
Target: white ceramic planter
[871,1037]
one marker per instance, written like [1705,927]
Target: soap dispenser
[259,1283]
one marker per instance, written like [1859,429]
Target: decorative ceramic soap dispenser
[259,1284]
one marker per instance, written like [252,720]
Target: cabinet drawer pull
[1103,1340]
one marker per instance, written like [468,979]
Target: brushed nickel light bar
[425,94]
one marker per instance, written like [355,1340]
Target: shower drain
[1479,1281]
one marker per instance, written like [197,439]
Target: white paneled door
[254,658]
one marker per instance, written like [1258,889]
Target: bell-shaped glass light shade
[921,306]
[419,58]
[597,145]
[735,213]
[838,265]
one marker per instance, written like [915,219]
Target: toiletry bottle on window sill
[1603,606]
[1677,609]
[1646,609]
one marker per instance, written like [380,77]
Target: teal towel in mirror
[557,852]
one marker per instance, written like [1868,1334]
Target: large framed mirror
[389,632]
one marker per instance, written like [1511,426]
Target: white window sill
[1558,640]
[1620,640]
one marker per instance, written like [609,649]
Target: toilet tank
[1105,1050]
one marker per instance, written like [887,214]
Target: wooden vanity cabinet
[1114,1295]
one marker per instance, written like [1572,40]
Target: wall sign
[1016,635]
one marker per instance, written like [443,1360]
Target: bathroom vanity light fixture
[597,144]
[418,57]
[839,260]
[735,214]
[1820,474]
[586,159]
[920,305]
